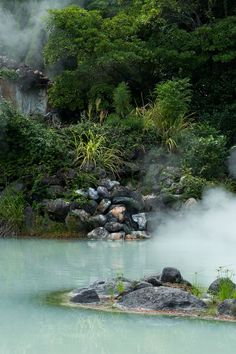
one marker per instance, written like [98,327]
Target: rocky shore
[164,293]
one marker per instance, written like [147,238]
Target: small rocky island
[166,293]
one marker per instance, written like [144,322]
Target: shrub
[122,100]
[205,152]
[12,204]
[193,186]
[27,145]
[91,150]
[168,114]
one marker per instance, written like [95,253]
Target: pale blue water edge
[30,269]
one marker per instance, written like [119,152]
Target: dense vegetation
[146,93]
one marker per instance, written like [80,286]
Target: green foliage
[193,186]
[168,114]
[205,152]
[226,290]
[91,151]
[12,204]
[27,145]
[122,100]
[8,74]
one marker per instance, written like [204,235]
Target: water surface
[30,269]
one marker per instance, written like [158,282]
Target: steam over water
[201,239]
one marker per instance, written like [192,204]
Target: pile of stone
[110,212]
[166,291]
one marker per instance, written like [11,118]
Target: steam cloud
[201,239]
[23,38]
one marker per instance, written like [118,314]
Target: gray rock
[190,204]
[123,195]
[100,233]
[93,194]
[90,206]
[162,298]
[114,226]
[141,285]
[132,205]
[141,220]
[86,296]
[108,184]
[103,192]
[57,209]
[227,308]
[134,235]
[214,288]
[103,206]
[113,286]
[96,221]
[114,236]
[77,220]
[151,202]
[171,275]
[153,279]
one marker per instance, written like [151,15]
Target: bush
[91,150]
[205,152]
[168,114]
[122,100]
[27,145]
[12,204]
[193,186]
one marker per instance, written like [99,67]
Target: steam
[21,34]
[201,239]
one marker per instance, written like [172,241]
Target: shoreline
[63,299]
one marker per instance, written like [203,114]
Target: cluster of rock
[27,77]
[167,291]
[109,212]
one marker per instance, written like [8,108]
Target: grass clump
[12,204]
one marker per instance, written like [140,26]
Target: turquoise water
[30,269]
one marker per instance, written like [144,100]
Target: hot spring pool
[30,269]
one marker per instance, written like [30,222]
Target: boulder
[96,221]
[90,206]
[77,220]
[161,298]
[85,296]
[123,195]
[103,206]
[153,279]
[132,205]
[118,212]
[214,288]
[114,236]
[93,194]
[108,184]
[140,220]
[57,209]
[141,285]
[190,203]
[151,202]
[137,235]
[171,275]
[103,192]
[227,308]
[100,233]
[112,287]
[114,226]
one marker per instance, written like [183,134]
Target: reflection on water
[28,326]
